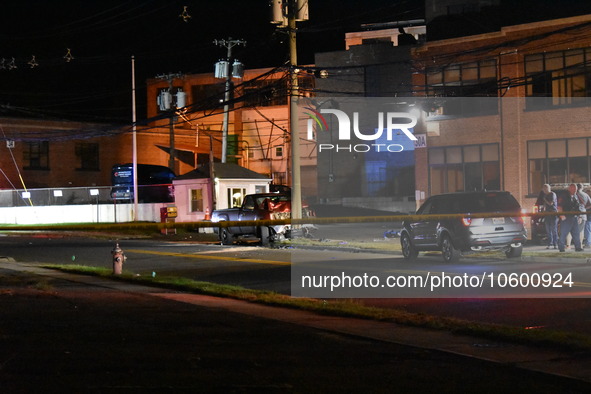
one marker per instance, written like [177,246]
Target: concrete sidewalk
[126,300]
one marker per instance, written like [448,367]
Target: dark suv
[453,235]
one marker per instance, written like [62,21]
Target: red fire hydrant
[118,259]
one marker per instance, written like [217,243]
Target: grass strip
[393,245]
[385,245]
[349,308]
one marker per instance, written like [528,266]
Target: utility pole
[285,13]
[223,71]
[134,141]
[296,191]
[166,103]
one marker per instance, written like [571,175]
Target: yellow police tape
[296,222]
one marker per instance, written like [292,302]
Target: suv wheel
[448,250]
[514,252]
[408,250]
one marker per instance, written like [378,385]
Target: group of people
[577,227]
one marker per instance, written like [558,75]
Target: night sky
[102,36]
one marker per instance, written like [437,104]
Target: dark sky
[103,34]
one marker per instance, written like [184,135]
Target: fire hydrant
[118,259]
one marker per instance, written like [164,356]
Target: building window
[376,177]
[279,178]
[558,162]
[208,96]
[196,196]
[36,155]
[235,196]
[563,77]
[467,80]
[474,79]
[88,156]
[464,168]
[278,151]
[265,93]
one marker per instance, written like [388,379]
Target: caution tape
[127,226]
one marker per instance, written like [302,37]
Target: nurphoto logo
[393,122]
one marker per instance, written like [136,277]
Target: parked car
[538,223]
[459,234]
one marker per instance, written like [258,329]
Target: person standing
[570,223]
[584,221]
[551,222]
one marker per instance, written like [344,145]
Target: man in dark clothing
[570,223]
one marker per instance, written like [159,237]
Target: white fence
[71,205]
[90,213]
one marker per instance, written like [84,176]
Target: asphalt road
[260,268]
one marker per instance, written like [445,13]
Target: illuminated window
[563,77]
[235,196]
[464,168]
[196,200]
[558,162]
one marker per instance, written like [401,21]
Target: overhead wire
[410,89]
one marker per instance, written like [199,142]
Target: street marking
[209,257]
[233,249]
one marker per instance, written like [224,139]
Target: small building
[197,195]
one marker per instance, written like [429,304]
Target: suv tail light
[466,221]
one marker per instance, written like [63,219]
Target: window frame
[440,171]
[541,166]
[551,78]
[36,151]
[196,203]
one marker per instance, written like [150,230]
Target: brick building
[51,153]
[524,118]
[258,126]
[374,64]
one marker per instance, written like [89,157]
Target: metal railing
[56,196]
